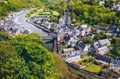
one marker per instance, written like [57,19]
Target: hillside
[53,0]
[89,12]
[6,6]
[26,58]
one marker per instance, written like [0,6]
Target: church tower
[67,18]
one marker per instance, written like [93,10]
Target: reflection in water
[49,46]
[22,20]
[32,28]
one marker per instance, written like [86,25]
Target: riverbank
[22,20]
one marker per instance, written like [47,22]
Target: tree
[26,57]
[4,36]
[11,65]
[88,40]
[89,12]
[6,6]
[53,18]
[115,53]
[103,35]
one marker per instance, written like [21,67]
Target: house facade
[115,65]
[71,57]
[103,50]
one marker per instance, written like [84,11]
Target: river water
[22,20]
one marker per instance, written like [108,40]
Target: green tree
[25,58]
[11,64]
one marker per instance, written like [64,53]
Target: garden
[93,68]
[90,65]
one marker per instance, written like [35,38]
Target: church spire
[67,15]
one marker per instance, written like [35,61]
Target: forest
[90,12]
[25,57]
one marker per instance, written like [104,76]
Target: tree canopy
[6,6]
[90,12]
[25,57]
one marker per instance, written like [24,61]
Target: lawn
[55,13]
[37,12]
[81,74]
[93,68]
[53,0]
[45,13]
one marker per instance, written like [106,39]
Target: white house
[46,24]
[72,41]
[86,48]
[104,42]
[68,50]
[61,22]
[83,33]
[40,17]
[71,57]
[77,32]
[103,50]
[84,26]
[115,65]
[82,46]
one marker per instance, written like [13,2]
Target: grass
[74,71]
[37,12]
[93,68]
[84,63]
[45,13]
[55,13]
[49,13]
[53,0]
[85,56]
[61,47]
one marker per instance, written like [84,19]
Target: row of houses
[115,65]
[82,30]
[72,34]
[40,18]
[11,26]
[112,31]
[101,46]
[70,55]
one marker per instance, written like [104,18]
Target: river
[22,20]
